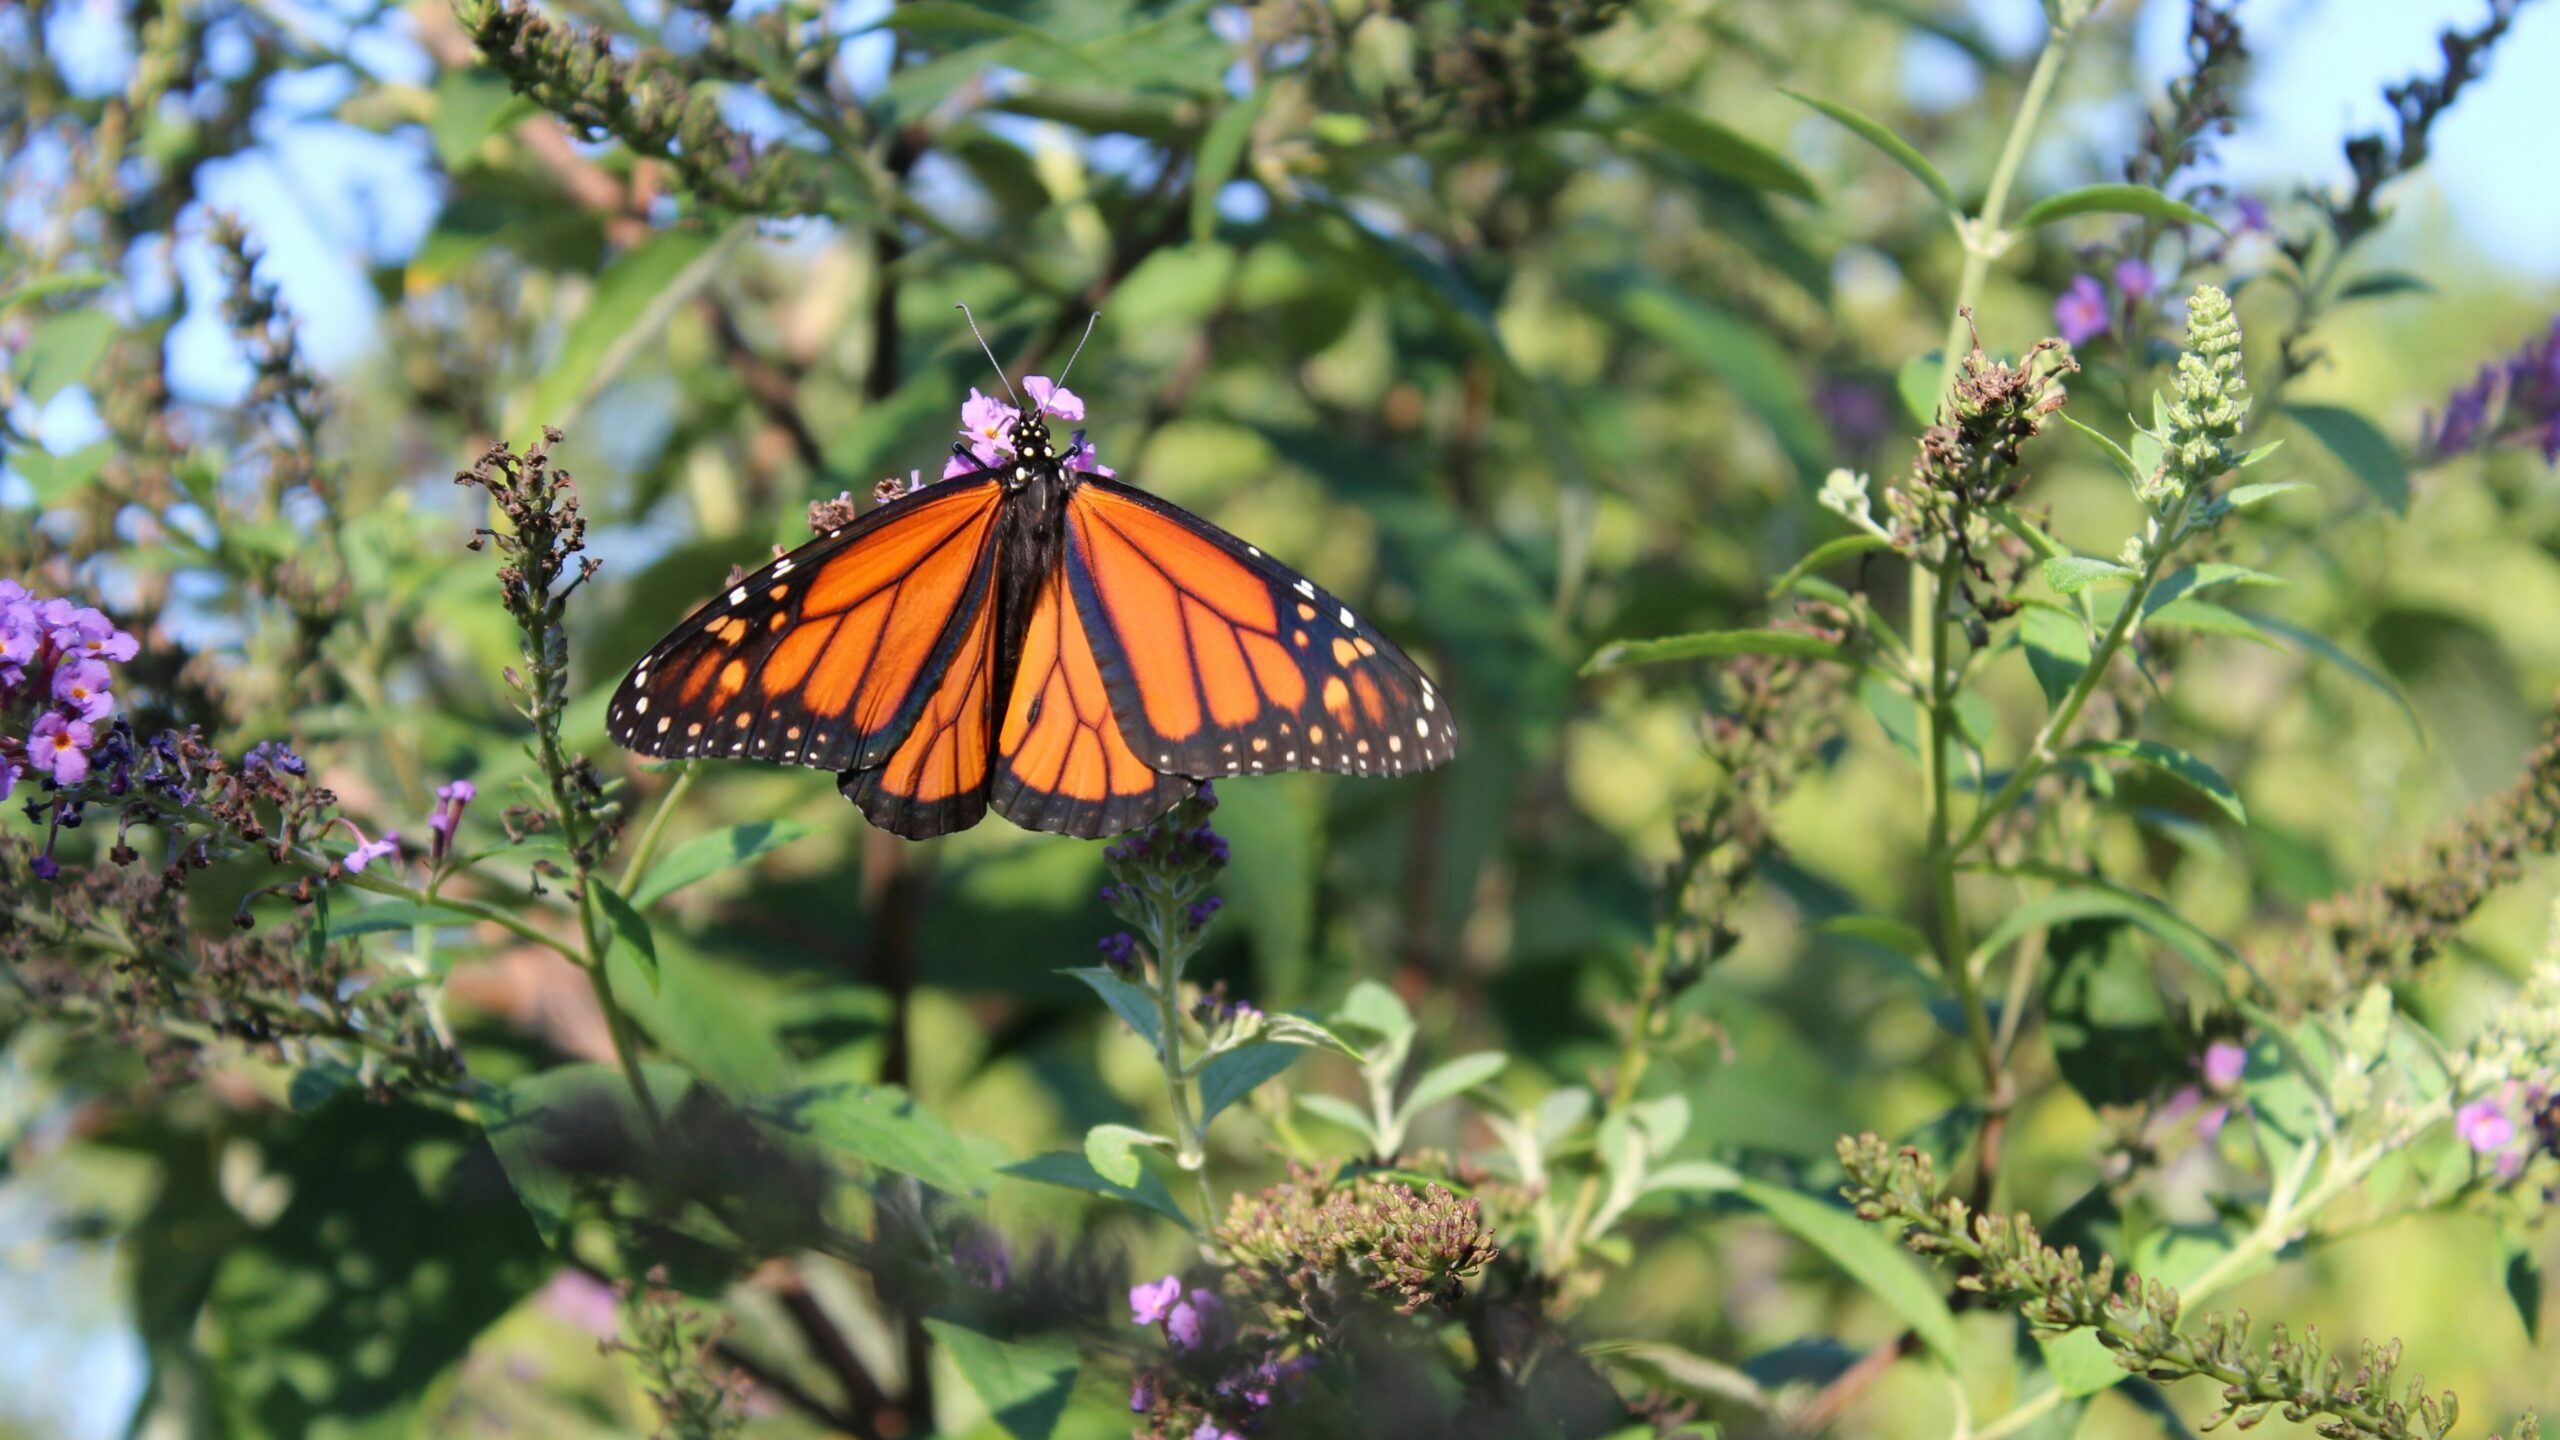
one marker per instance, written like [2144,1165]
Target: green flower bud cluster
[1309,1249]
[647,102]
[2209,405]
[2055,1290]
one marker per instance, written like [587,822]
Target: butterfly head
[1031,438]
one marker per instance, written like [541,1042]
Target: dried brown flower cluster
[1311,1249]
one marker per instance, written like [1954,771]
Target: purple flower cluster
[450,798]
[2086,309]
[986,429]
[1220,1377]
[1170,863]
[2517,398]
[55,681]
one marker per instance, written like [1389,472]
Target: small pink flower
[59,747]
[368,851]
[8,779]
[2134,278]
[2080,311]
[583,1302]
[1149,1304]
[2224,1063]
[1052,400]
[1187,1324]
[986,420]
[2485,1125]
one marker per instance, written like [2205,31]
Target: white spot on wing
[1348,620]
[781,567]
[641,705]
[1307,588]
[738,596]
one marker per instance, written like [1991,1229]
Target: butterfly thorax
[1031,536]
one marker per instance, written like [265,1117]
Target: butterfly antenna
[1090,321]
[963,308]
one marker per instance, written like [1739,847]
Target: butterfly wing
[1063,763]
[830,656]
[935,782]
[1220,661]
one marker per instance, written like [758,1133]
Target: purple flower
[2223,1064]
[19,637]
[1052,400]
[987,421]
[2485,1125]
[8,778]
[2080,312]
[1142,1396]
[2134,278]
[59,747]
[1080,458]
[1119,949]
[1199,912]
[450,799]
[1149,1304]
[368,851]
[1209,1430]
[268,754]
[2253,214]
[1188,1324]
[82,688]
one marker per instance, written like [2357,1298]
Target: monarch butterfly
[1030,634]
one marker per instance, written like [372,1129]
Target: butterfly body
[1030,636]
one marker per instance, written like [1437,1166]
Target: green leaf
[62,350]
[630,931]
[1895,712]
[1451,1079]
[318,1083]
[532,1121]
[2080,1364]
[632,302]
[1897,149]
[2195,578]
[2208,618]
[1718,149]
[56,478]
[62,283]
[2521,1271]
[2107,446]
[1869,1258]
[2092,897]
[1221,150]
[1899,936]
[2057,647]
[2376,284]
[1071,1171]
[1112,1151]
[396,915]
[2327,649]
[2175,763]
[1375,1008]
[1134,1004]
[2244,496]
[1737,353]
[1231,1075]
[1025,1386]
[882,1126]
[2104,1017]
[2114,200]
[2367,453]
[1829,552]
[707,855]
[1335,1110]
[2071,574]
[1711,644]
[471,104]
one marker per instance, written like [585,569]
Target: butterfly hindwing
[935,782]
[1221,661]
[828,656]
[1064,765]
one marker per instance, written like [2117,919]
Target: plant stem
[2160,538]
[1170,952]
[637,868]
[1984,240]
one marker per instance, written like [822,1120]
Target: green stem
[1192,1149]
[1984,240]
[2159,539]
[637,868]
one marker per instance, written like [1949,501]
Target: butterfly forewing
[1221,661]
[828,656]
